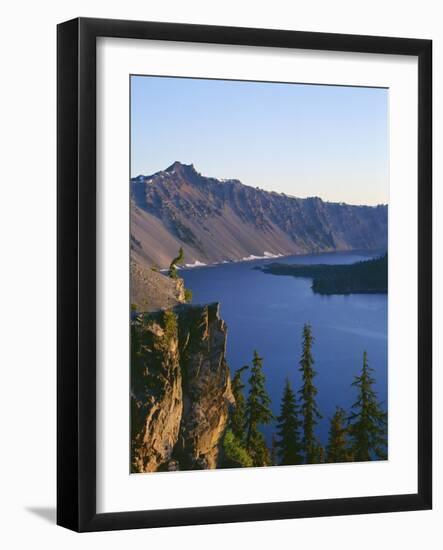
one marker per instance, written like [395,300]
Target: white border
[116,489]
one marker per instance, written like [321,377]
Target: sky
[299,139]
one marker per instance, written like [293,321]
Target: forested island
[366,277]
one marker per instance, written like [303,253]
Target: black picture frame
[76,295]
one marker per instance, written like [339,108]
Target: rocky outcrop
[224,220]
[151,290]
[180,388]
[206,386]
[156,390]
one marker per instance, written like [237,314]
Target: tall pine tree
[288,442]
[239,412]
[367,422]
[257,412]
[312,450]
[337,449]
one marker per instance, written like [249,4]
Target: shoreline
[253,258]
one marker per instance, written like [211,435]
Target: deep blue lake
[267,312]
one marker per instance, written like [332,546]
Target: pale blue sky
[302,140]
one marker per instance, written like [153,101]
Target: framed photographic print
[244,274]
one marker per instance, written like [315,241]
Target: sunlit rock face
[180,388]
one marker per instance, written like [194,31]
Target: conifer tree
[173,265]
[239,412]
[309,409]
[288,442]
[257,412]
[367,422]
[337,449]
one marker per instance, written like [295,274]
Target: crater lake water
[267,312]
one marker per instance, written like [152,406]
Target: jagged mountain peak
[180,167]
[188,171]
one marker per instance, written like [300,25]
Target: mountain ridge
[218,220]
[191,167]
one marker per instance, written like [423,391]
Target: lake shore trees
[357,435]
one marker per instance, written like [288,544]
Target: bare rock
[180,388]
[206,386]
[151,290]
[156,391]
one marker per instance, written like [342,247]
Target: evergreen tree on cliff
[367,422]
[257,412]
[337,449]
[313,452]
[173,266]
[238,414]
[288,436]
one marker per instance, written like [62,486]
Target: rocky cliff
[224,220]
[180,388]
[151,290]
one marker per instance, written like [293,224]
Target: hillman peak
[218,220]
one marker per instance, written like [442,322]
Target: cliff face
[218,220]
[206,385]
[156,390]
[180,388]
